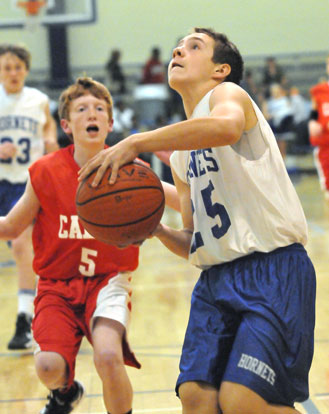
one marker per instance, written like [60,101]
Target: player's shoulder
[320,87]
[229,90]
[34,93]
[52,160]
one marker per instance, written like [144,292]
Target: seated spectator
[249,85]
[300,106]
[278,111]
[123,120]
[301,111]
[154,69]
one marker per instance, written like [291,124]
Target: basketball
[125,212]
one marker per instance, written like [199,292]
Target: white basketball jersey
[242,197]
[22,119]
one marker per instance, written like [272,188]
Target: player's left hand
[114,157]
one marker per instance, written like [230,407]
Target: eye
[195,46]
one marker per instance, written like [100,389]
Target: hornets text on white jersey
[22,119]
[242,197]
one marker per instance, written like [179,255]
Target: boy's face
[89,121]
[13,72]
[192,60]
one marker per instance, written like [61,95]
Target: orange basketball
[125,212]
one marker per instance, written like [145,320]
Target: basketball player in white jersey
[249,341]
[27,130]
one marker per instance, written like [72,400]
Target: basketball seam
[82,203]
[124,224]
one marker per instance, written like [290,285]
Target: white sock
[25,301]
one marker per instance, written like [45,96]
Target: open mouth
[92,128]
[175,65]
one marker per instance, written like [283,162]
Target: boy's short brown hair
[20,51]
[83,86]
[225,52]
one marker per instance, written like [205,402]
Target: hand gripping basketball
[125,212]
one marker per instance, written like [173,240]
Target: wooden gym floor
[162,288]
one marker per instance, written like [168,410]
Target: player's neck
[13,91]
[192,96]
[82,155]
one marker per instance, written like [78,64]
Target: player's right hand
[114,157]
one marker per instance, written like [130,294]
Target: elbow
[4,235]
[234,136]
[228,132]
[230,136]
[7,232]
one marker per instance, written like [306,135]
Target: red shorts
[64,310]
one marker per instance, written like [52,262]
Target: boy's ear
[110,125]
[65,126]
[222,71]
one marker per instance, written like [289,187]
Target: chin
[14,90]
[174,83]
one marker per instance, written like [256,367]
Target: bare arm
[178,241]
[225,125]
[21,215]
[314,127]
[50,132]
[171,195]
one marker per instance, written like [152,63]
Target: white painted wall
[258,27]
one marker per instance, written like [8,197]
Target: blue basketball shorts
[252,323]
[9,195]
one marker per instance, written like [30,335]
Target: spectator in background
[278,111]
[115,72]
[123,118]
[300,106]
[301,112]
[154,69]
[175,108]
[319,130]
[249,85]
[272,73]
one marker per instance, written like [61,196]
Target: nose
[177,51]
[92,112]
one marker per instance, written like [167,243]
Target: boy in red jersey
[84,285]
[319,130]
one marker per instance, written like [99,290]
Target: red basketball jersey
[320,94]
[62,248]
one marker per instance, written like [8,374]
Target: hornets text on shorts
[257,367]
